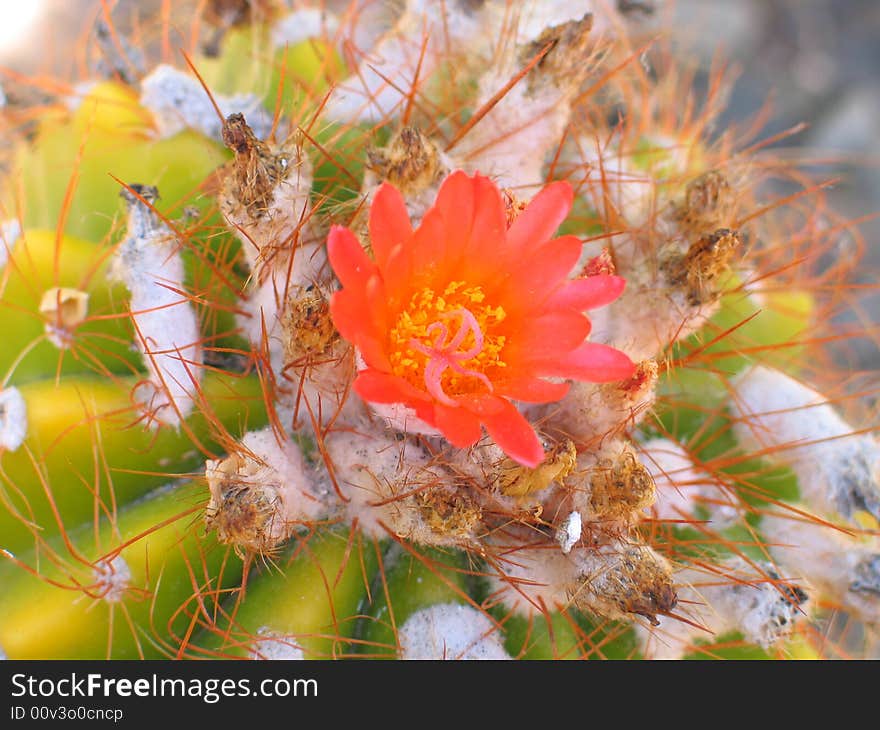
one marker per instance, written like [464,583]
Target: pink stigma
[445,354]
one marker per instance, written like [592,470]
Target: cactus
[420,330]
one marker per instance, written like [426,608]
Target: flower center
[447,343]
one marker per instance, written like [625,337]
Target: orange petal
[377,302]
[542,216]
[456,205]
[490,221]
[416,263]
[589,292]
[531,390]
[474,222]
[538,274]
[458,425]
[352,318]
[592,362]
[546,336]
[389,222]
[376,386]
[482,405]
[349,260]
[514,435]
[373,352]
[348,310]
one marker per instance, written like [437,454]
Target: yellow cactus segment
[310,604]
[54,292]
[798,648]
[69,175]
[250,65]
[115,596]
[866,521]
[311,66]
[110,107]
[86,451]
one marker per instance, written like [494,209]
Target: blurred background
[817,60]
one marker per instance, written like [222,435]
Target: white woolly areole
[359,459]
[648,317]
[614,180]
[745,599]
[569,532]
[594,411]
[280,250]
[384,77]
[80,91]
[450,631]
[842,568]
[402,418]
[535,16]
[178,101]
[9,233]
[302,24]
[512,141]
[519,133]
[260,492]
[681,486]
[837,470]
[534,578]
[149,263]
[371,470]
[266,303]
[300,499]
[113,577]
[271,646]
[650,314]
[617,179]
[365,21]
[13,419]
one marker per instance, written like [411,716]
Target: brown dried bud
[515,480]
[620,487]
[621,579]
[252,174]
[411,162]
[314,351]
[601,264]
[450,512]
[245,507]
[708,204]
[259,493]
[309,333]
[700,269]
[564,61]
[513,206]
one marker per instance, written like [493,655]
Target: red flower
[462,315]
